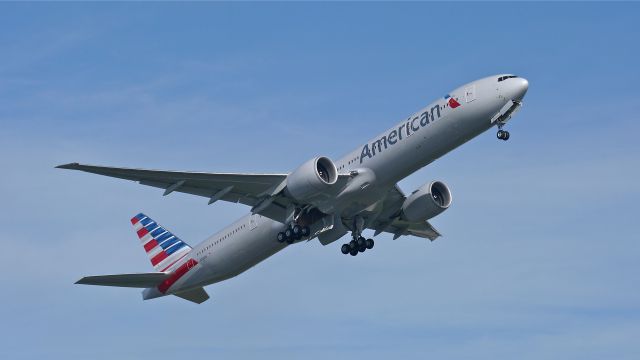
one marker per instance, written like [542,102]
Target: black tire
[506,135]
[362,248]
[297,230]
[353,252]
[361,242]
[281,237]
[500,134]
[370,244]
[306,231]
[353,244]
[345,249]
[289,235]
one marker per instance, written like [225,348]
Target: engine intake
[427,202]
[311,178]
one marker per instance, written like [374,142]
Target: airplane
[321,199]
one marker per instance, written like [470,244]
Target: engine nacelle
[428,201]
[311,178]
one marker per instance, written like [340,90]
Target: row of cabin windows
[222,238]
[349,163]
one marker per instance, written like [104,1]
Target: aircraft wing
[389,219]
[248,189]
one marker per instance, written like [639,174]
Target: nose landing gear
[503,135]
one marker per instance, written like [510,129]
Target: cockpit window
[502,78]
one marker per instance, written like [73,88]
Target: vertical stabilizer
[164,249]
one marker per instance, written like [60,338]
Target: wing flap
[139,280]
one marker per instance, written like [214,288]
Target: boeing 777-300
[321,199]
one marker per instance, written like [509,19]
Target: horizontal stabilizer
[197,296]
[140,280]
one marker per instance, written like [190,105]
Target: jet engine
[311,178]
[428,201]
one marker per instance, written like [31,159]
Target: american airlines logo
[409,127]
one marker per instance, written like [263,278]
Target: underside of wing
[390,221]
[139,280]
[399,228]
[248,189]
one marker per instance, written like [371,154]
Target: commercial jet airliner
[321,199]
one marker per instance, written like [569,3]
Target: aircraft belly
[244,250]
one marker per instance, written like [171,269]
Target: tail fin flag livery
[163,248]
[168,255]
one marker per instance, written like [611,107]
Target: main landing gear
[293,233]
[358,242]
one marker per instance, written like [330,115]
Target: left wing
[256,190]
[389,220]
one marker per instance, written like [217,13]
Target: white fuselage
[383,161]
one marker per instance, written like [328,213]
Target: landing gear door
[470,93]
[252,222]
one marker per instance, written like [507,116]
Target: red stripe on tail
[150,245]
[156,259]
[142,232]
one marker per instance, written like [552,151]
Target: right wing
[389,220]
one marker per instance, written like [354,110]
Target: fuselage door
[470,93]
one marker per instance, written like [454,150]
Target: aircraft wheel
[506,136]
[500,134]
[362,248]
[281,237]
[361,242]
[345,249]
[297,231]
[353,245]
[289,235]
[353,252]
[306,231]
[370,243]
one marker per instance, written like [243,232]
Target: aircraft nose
[521,87]
[517,88]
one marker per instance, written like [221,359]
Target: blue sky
[539,257]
